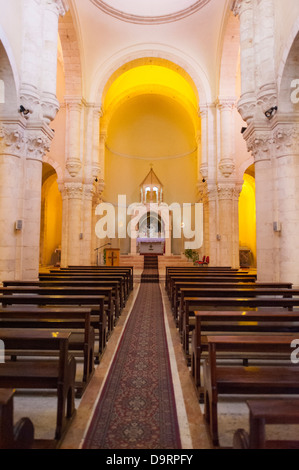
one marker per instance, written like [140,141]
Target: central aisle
[136,408]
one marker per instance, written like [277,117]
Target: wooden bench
[13,436]
[263,412]
[242,300]
[96,303]
[115,284]
[42,373]
[124,282]
[127,273]
[177,286]
[234,323]
[74,320]
[230,380]
[220,278]
[105,292]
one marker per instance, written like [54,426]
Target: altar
[151,246]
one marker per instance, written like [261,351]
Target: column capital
[38,142]
[226,103]
[60,7]
[286,139]
[72,190]
[259,143]
[239,6]
[12,138]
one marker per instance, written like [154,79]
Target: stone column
[73,137]
[228,225]
[87,225]
[202,140]
[102,151]
[98,154]
[247,103]
[12,141]
[38,143]
[226,164]
[52,10]
[259,142]
[31,56]
[264,52]
[286,219]
[72,207]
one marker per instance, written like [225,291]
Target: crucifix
[112,258]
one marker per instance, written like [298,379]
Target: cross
[112,257]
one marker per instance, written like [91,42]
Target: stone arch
[10,59]
[51,216]
[286,52]
[288,98]
[140,54]
[230,58]
[8,88]
[71,55]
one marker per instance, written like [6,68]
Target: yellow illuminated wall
[151,117]
[247,215]
[51,220]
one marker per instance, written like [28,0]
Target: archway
[51,218]
[247,220]
[150,118]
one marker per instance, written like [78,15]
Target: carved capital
[73,190]
[239,6]
[226,191]
[37,145]
[286,140]
[227,167]
[260,146]
[12,140]
[50,107]
[60,7]
[246,107]
[73,166]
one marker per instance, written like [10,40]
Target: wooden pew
[42,373]
[193,271]
[105,292]
[127,272]
[72,320]
[192,304]
[177,286]
[237,291]
[234,323]
[207,278]
[13,436]
[123,279]
[95,302]
[263,412]
[115,284]
[264,380]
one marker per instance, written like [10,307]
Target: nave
[194,432]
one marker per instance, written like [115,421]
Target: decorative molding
[138,19]
[73,190]
[73,166]
[227,167]
[12,139]
[259,144]
[286,140]
[226,192]
[37,145]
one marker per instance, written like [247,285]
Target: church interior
[149,210]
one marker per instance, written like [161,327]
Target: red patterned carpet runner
[136,409]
